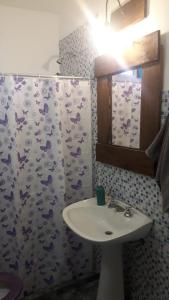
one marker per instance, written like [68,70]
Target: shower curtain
[126,112]
[45,164]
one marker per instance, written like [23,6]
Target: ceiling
[70,12]
[53,6]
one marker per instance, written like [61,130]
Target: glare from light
[139,30]
[104,38]
[107,41]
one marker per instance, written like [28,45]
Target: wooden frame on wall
[145,53]
[132,12]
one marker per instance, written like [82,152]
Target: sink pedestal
[111,275]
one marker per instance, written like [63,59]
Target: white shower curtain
[45,164]
[126,112]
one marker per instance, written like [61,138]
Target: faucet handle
[111,204]
[109,201]
[128,212]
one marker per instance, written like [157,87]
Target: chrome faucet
[113,204]
[128,212]
[110,202]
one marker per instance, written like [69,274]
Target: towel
[158,151]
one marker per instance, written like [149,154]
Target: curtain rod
[45,76]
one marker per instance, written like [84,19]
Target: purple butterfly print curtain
[126,109]
[45,164]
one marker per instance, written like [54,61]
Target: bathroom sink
[102,224]
[110,227]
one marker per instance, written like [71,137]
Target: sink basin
[101,224]
[110,228]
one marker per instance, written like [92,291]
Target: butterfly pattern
[45,164]
[152,258]
[126,107]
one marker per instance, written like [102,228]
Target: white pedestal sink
[104,225]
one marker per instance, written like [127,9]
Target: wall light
[108,41]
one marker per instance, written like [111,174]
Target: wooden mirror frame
[145,53]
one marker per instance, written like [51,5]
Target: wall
[146,262]
[54,19]
[157,20]
[28,40]
[72,13]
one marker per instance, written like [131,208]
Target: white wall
[27,40]
[73,13]
[158,19]
[159,16]
[76,13]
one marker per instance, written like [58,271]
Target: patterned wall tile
[146,262]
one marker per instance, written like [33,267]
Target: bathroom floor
[86,291]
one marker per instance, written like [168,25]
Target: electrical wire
[107,2]
[120,6]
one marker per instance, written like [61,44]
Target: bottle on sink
[100,195]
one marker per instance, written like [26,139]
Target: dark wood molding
[131,13]
[123,157]
[126,158]
[104,110]
[150,104]
[142,52]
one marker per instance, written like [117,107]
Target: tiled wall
[146,262]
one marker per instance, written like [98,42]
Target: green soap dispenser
[100,195]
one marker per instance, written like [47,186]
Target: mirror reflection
[126,108]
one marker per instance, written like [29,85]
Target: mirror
[129,105]
[126,108]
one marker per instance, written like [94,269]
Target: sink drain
[108,232]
